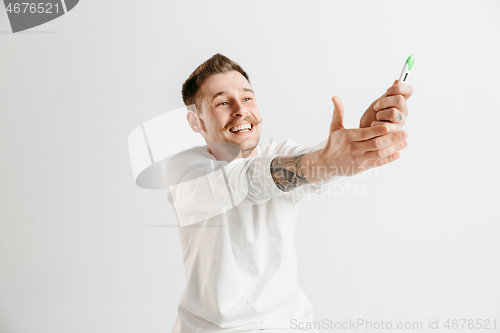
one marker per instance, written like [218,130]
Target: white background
[419,240]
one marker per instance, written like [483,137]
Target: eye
[248,98]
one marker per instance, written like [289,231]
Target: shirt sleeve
[201,187]
[291,148]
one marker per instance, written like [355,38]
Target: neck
[228,151]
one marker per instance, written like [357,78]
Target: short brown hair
[217,64]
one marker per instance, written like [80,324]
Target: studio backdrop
[85,248]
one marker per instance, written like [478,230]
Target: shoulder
[194,155]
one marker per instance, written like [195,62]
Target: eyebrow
[224,93]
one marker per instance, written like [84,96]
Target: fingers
[363,134]
[403,89]
[382,161]
[393,127]
[338,114]
[396,101]
[381,142]
[396,89]
[390,114]
[387,151]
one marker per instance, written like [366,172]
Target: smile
[244,131]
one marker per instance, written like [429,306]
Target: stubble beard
[247,152]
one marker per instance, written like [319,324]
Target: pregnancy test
[407,68]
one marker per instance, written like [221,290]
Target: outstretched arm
[347,152]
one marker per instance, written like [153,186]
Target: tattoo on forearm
[287,172]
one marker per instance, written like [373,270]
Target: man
[236,199]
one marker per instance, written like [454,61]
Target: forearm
[198,184]
[289,172]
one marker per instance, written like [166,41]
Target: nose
[239,110]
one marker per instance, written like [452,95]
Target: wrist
[316,167]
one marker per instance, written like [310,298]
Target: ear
[194,121]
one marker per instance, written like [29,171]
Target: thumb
[386,94]
[338,114]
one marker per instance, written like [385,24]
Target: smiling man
[228,112]
[236,199]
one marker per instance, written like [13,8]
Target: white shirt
[237,237]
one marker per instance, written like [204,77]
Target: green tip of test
[410,61]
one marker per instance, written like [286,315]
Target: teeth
[235,129]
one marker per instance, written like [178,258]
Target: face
[228,101]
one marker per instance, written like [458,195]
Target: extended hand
[390,109]
[352,151]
